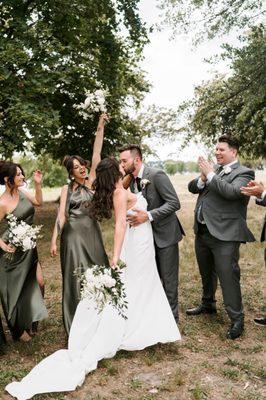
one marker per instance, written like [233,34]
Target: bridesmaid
[81,243]
[20,293]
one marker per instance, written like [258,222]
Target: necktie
[137,184]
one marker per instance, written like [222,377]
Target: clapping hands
[253,188]
[205,167]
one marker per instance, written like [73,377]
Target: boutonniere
[227,170]
[144,183]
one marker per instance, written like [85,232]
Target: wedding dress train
[96,336]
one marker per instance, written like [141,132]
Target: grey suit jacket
[263,232]
[224,207]
[162,203]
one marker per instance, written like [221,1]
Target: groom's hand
[138,218]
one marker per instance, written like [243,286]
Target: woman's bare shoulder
[120,193]
[3,204]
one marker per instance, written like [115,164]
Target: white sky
[174,68]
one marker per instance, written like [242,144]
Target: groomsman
[258,190]
[220,227]
[162,206]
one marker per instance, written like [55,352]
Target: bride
[96,336]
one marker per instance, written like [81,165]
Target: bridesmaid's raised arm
[97,147]
[36,199]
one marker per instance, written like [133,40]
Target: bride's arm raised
[97,147]
[60,221]
[120,211]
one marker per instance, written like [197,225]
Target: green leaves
[52,51]
[206,19]
[235,104]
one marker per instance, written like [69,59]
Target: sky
[174,68]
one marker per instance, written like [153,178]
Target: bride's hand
[114,262]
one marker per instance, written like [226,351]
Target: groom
[162,206]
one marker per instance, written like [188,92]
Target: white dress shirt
[140,175]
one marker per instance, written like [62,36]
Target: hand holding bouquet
[21,235]
[104,285]
[95,102]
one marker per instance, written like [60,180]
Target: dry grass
[204,365]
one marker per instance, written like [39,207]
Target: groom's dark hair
[232,142]
[133,148]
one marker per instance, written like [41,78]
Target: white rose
[99,93]
[227,170]
[87,102]
[19,230]
[27,244]
[144,182]
[109,282]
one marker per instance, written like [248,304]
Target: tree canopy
[234,104]
[207,19]
[51,51]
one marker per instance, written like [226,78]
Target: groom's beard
[130,169]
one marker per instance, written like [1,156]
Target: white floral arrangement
[227,170]
[21,235]
[104,286]
[144,183]
[95,102]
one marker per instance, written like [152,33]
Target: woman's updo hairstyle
[9,170]
[68,163]
[107,175]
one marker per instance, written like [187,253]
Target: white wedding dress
[96,336]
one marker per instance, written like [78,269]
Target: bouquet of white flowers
[21,235]
[104,285]
[94,102]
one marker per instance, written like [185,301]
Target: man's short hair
[133,148]
[230,140]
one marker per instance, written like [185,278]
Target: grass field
[204,365]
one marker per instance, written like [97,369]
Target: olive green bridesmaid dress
[81,247]
[2,334]
[21,298]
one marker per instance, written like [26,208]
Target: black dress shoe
[201,309]
[260,321]
[236,329]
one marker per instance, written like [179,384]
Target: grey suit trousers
[217,258]
[167,260]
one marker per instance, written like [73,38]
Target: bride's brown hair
[107,175]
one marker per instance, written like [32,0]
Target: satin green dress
[21,298]
[2,334]
[81,247]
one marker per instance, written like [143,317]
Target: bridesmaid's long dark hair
[107,175]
